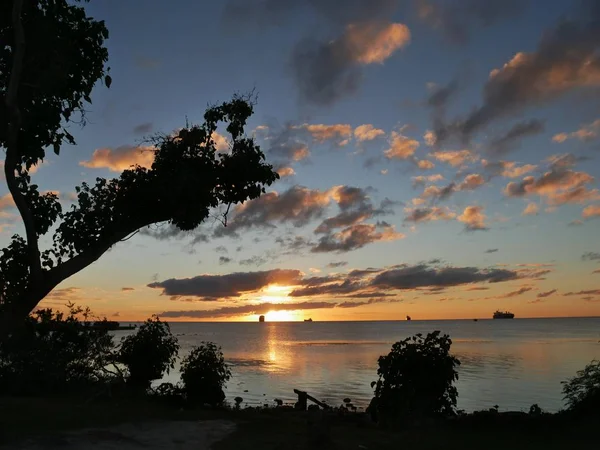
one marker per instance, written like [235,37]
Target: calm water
[511,363]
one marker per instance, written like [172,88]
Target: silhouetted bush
[148,353]
[204,374]
[582,392]
[416,379]
[55,353]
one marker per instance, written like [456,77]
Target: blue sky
[380,63]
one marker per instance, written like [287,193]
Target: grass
[274,429]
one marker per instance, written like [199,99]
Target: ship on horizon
[503,315]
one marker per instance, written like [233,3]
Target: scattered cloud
[325,71]
[355,237]
[473,218]
[425,164]
[559,185]
[120,158]
[502,145]
[531,209]
[491,250]
[588,132]
[585,292]
[367,132]
[590,256]
[507,169]
[401,147]
[566,59]
[418,215]
[127,289]
[456,19]
[336,264]
[591,211]
[337,133]
[546,294]
[224,260]
[454,157]
[143,128]
[286,172]
[516,293]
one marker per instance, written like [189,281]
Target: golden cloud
[374,43]
[120,158]
[473,218]
[401,147]
[367,132]
[591,211]
[531,209]
[454,157]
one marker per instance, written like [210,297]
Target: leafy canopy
[416,378]
[204,374]
[45,84]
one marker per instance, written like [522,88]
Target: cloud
[434,213]
[325,71]
[260,308]
[531,209]
[507,169]
[586,133]
[546,294]
[585,292]
[456,19]
[143,128]
[338,133]
[336,264]
[284,172]
[557,186]
[491,250]
[471,182]
[590,212]
[298,205]
[473,218]
[355,237]
[412,277]
[120,158]
[127,289]
[425,164]
[454,157]
[596,271]
[422,179]
[215,287]
[566,59]
[516,293]
[401,147]
[590,256]
[224,260]
[367,132]
[509,141]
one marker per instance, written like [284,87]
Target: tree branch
[12,151]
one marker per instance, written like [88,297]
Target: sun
[281,316]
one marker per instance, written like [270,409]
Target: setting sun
[282,316]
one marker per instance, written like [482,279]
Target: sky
[438,159]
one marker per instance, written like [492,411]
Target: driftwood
[303,398]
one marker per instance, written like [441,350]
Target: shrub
[148,353]
[204,374]
[55,353]
[582,392]
[416,379]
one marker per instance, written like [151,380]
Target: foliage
[45,83]
[204,374]
[416,378]
[55,353]
[582,392]
[148,353]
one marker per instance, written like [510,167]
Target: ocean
[509,363]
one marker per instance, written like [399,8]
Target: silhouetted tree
[416,379]
[582,392]
[51,57]
[204,374]
[148,353]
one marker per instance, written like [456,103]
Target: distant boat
[261,319]
[503,315]
[408,318]
[475,320]
[308,320]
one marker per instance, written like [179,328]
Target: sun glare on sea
[282,316]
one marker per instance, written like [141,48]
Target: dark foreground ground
[54,423]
